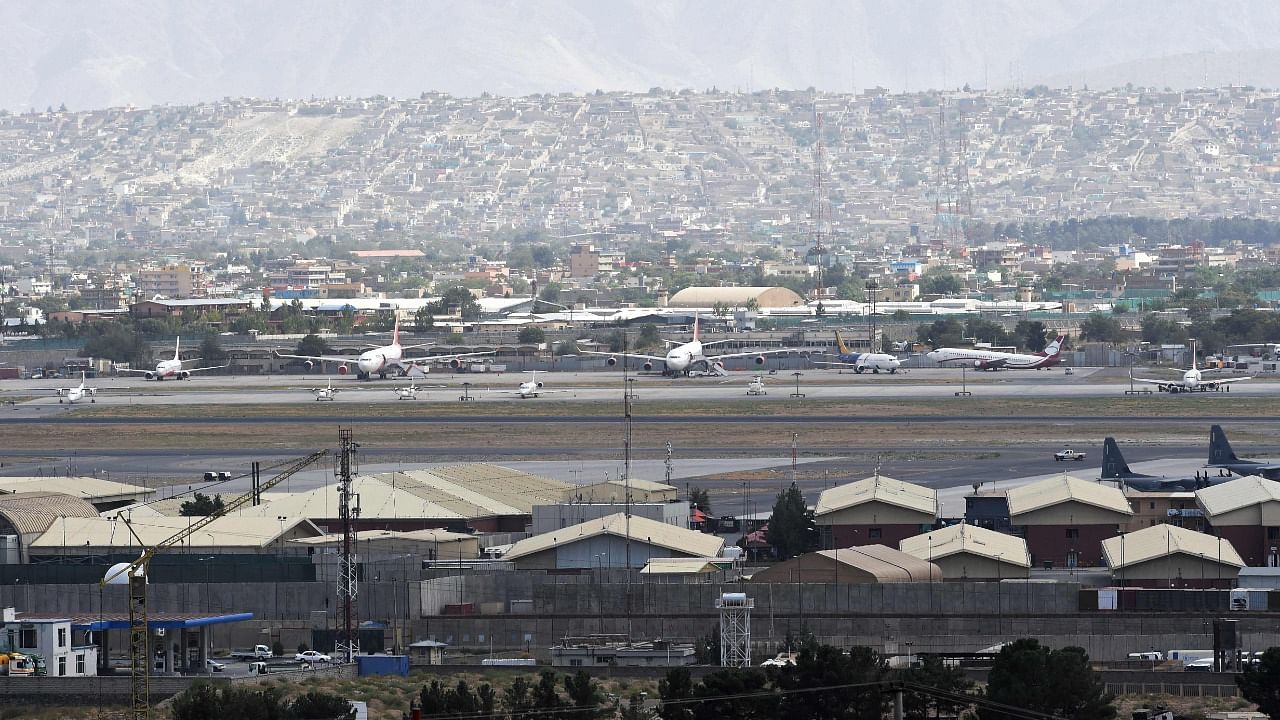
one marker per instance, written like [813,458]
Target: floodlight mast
[136,571]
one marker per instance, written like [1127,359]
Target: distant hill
[95,54]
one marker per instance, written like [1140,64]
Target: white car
[313,657]
[213,665]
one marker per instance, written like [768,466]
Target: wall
[843,536]
[1049,543]
[1178,571]
[877,513]
[976,567]
[1250,541]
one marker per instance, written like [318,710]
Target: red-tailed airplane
[993,360]
[380,360]
[171,368]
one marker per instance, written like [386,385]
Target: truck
[262,667]
[259,652]
[1068,454]
[18,664]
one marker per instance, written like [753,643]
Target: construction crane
[139,652]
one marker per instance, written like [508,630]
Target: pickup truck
[259,652]
[1068,455]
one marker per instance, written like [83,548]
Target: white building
[50,640]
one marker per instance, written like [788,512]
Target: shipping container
[382,665]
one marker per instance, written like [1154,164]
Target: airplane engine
[611,361]
[979,365]
[539,385]
[647,365]
[184,375]
[310,365]
[759,360]
[456,364]
[343,370]
[150,376]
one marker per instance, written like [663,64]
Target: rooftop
[878,488]
[1161,540]
[1065,488]
[671,537]
[1236,494]
[964,538]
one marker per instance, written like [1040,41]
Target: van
[1154,656]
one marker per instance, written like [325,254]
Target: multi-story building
[176,282]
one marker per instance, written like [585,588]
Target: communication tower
[348,644]
[735,629]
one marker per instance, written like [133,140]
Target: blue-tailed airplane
[875,362]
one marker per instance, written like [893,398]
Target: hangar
[864,564]
[1170,556]
[709,296]
[25,516]
[969,552]
[611,542]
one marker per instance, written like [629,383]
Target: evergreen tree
[1260,683]
[1057,682]
[792,530]
[211,352]
[201,505]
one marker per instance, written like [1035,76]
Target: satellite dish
[119,574]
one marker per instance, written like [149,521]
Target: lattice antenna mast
[626,450]
[348,645]
[735,629]
[817,210]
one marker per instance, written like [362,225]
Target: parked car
[1068,454]
[313,657]
[1201,665]
[213,665]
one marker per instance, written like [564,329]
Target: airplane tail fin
[177,344]
[1220,452]
[695,327]
[1054,347]
[395,333]
[1193,355]
[840,346]
[1113,465]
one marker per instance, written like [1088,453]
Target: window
[62,665]
[62,637]
[1153,505]
[28,641]
[1073,533]
[873,533]
[575,662]
[1273,533]
[80,664]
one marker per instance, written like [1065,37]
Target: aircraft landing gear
[875,371]
[859,370]
[382,375]
[362,376]
[893,371]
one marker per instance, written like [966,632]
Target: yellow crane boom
[139,652]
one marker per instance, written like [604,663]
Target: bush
[277,648]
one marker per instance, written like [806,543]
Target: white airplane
[756,386]
[530,388]
[1192,380]
[172,368]
[410,391]
[994,360]
[381,359]
[687,357]
[80,392]
[861,362]
[328,392]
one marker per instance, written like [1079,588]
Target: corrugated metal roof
[1158,541]
[1065,488]
[226,532]
[88,488]
[708,296]
[966,538]
[878,488]
[426,536]
[1236,494]
[886,563]
[689,542]
[679,566]
[31,513]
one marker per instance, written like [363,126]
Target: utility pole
[348,645]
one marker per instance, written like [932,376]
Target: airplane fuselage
[991,360]
[874,362]
[166,369]
[682,358]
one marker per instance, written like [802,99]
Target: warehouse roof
[707,296]
[31,513]
[878,563]
[671,537]
[1064,488]
[366,536]
[91,489]
[1162,540]
[684,566]
[1236,494]
[452,492]
[878,489]
[226,532]
[964,538]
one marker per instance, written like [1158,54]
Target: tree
[933,673]
[1260,683]
[423,319]
[649,337]
[736,694]
[791,530]
[1101,328]
[312,345]
[320,705]
[940,283]
[116,342]
[211,352]
[1057,682]
[941,333]
[201,505]
[820,684]
[701,498]
[205,701]
[675,692]
[985,331]
[584,696]
[459,299]
[1031,334]
[531,335]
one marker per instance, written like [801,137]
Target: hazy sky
[95,53]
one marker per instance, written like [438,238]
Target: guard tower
[735,629]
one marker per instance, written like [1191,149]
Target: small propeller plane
[530,388]
[328,392]
[756,386]
[410,391]
[74,394]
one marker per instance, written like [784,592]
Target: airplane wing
[1225,381]
[132,370]
[781,351]
[654,358]
[835,364]
[1149,381]
[211,367]
[441,358]
[318,358]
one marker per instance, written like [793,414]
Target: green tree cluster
[582,699]
[201,505]
[456,298]
[1238,327]
[792,529]
[531,335]
[207,701]
[1260,683]
[117,342]
[1102,328]
[1059,682]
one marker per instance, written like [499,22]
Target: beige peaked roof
[703,296]
[99,532]
[684,566]
[880,489]
[33,512]
[672,537]
[1236,494]
[425,536]
[964,538]
[88,488]
[1064,488]
[454,492]
[1158,541]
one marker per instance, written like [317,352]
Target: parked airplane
[994,360]
[875,362]
[1223,457]
[380,360]
[410,391]
[172,368]
[530,388]
[689,356]
[328,392]
[73,394]
[1192,380]
[1114,467]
